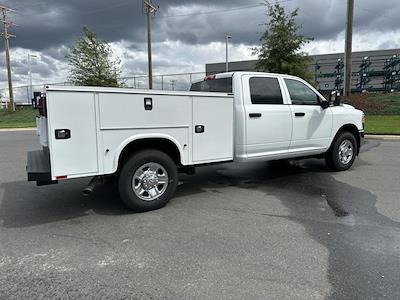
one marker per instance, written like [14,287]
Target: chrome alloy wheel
[346,152]
[150,181]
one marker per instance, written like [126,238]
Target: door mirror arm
[324,104]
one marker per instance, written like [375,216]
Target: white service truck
[145,137]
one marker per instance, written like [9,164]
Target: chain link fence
[169,82]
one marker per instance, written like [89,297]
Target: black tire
[131,166]
[333,158]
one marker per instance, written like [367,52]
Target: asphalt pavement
[280,230]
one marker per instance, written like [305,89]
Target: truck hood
[348,106]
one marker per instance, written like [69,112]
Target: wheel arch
[164,143]
[351,128]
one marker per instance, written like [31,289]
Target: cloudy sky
[186,34]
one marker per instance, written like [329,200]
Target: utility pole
[6,36]
[30,76]
[227,37]
[150,10]
[348,48]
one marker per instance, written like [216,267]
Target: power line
[210,12]
[94,11]
[218,11]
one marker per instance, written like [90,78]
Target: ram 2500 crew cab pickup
[144,137]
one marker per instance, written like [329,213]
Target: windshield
[221,85]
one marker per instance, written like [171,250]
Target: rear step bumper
[38,167]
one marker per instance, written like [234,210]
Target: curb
[382,137]
[17,129]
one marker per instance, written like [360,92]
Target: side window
[265,90]
[220,85]
[300,93]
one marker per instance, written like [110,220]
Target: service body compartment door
[212,129]
[72,133]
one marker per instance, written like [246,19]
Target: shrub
[366,104]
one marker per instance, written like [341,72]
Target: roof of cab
[230,74]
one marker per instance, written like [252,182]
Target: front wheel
[147,180]
[343,152]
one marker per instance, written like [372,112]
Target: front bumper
[362,140]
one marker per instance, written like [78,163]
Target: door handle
[299,114]
[255,115]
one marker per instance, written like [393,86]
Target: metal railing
[170,82]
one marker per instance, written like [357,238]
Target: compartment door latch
[199,128]
[148,103]
[62,134]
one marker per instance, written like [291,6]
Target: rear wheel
[343,152]
[147,180]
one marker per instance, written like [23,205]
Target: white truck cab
[144,137]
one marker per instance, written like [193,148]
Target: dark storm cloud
[325,19]
[46,23]
[49,23]
[47,27]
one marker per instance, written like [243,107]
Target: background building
[374,71]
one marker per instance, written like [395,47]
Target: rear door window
[265,90]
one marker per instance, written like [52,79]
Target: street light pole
[227,37]
[30,76]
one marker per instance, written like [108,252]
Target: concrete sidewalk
[17,129]
[384,137]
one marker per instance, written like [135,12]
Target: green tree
[91,62]
[281,43]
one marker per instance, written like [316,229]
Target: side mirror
[334,98]
[325,104]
